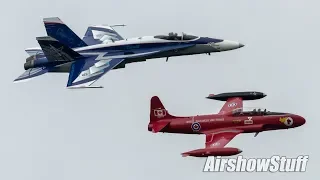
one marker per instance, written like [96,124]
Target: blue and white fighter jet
[88,59]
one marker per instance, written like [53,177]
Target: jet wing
[99,34]
[232,104]
[216,141]
[84,72]
[220,138]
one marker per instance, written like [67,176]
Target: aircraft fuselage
[140,49]
[249,124]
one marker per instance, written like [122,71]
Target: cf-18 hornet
[88,59]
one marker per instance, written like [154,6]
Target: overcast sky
[48,132]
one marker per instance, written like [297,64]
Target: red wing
[220,138]
[231,104]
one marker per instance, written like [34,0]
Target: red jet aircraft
[221,128]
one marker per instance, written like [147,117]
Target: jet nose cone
[303,121]
[300,120]
[227,45]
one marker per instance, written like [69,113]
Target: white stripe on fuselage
[139,40]
[136,40]
[102,54]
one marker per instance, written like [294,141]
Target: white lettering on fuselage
[205,120]
[248,121]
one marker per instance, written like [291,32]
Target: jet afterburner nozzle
[29,64]
[33,62]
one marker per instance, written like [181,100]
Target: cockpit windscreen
[175,37]
[254,112]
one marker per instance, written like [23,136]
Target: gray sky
[50,132]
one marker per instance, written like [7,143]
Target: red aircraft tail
[158,111]
[159,116]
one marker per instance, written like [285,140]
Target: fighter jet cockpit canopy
[176,37]
[254,112]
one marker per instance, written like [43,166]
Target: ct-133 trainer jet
[88,59]
[222,127]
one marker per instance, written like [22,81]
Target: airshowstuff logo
[272,164]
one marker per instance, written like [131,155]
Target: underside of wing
[215,144]
[84,72]
[220,138]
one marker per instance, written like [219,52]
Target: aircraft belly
[65,68]
[133,60]
[121,65]
[197,49]
[177,127]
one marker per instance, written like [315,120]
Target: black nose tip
[241,45]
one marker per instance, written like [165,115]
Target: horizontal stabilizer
[56,51]
[158,126]
[84,72]
[33,51]
[60,31]
[33,72]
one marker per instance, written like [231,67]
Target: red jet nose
[299,120]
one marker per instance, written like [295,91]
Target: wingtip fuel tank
[246,95]
[205,152]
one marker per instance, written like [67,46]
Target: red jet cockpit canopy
[176,37]
[253,112]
